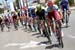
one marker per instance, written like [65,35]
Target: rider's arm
[69,11]
[68,6]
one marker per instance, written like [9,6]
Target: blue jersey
[33,13]
[64,3]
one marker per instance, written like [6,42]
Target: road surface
[21,40]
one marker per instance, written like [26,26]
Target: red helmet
[50,3]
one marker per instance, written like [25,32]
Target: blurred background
[12,5]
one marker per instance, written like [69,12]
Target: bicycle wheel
[47,33]
[59,37]
[47,36]
[61,43]
[67,19]
[58,34]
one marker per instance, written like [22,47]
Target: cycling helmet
[50,3]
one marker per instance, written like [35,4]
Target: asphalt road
[21,40]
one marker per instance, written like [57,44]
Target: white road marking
[15,44]
[31,44]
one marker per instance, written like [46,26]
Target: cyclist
[29,19]
[52,12]
[33,14]
[15,20]
[40,13]
[32,18]
[23,17]
[7,21]
[64,5]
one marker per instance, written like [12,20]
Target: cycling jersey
[40,12]
[33,13]
[49,8]
[51,12]
[64,4]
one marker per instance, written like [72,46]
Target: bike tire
[47,36]
[61,43]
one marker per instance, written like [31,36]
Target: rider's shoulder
[55,6]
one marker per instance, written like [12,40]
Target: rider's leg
[29,23]
[35,23]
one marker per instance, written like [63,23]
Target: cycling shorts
[65,8]
[6,20]
[41,17]
[15,17]
[33,15]
[29,14]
